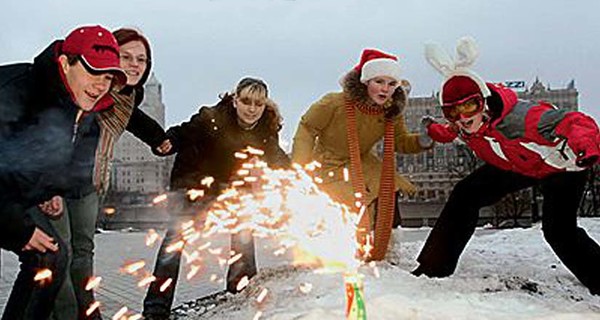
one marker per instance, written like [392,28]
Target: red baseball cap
[98,50]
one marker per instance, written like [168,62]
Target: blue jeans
[30,299]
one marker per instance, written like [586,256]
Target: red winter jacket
[533,139]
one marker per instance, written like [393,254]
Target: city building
[135,167]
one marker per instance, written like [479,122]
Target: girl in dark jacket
[205,147]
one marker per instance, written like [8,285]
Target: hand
[424,139]
[53,208]
[426,121]
[41,242]
[165,147]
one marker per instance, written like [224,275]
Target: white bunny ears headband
[466,54]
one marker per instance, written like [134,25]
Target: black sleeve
[146,129]
[16,227]
[277,158]
[191,132]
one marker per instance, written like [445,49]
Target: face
[470,124]
[381,89]
[87,88]
[249,108]
[134,61]
[467,115]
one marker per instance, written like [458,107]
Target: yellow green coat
[321,136]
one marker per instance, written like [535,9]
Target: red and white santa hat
[460,83]
[374,63]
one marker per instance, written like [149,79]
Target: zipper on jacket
[76,125]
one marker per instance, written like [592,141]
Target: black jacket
[206,144]
[38,138]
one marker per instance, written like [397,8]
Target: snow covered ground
[503,274]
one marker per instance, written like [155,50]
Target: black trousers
[485,186]
[30,299]
[157,303]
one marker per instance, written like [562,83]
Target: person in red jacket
[523,143]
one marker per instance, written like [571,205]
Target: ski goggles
[465,108]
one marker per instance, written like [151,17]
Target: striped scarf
[385,200]
[112,125]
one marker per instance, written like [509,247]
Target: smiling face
[381,89]
[87,88]
[250,106]
[134,60]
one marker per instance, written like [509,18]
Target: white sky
[494,281]
[302,47]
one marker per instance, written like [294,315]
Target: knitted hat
[460,83]
[98,50]
[374,63]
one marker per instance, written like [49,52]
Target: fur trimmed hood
[358,91]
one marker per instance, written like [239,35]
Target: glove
[587,151]
[424,139]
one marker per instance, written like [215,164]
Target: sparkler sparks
[93,283]
[120,313]
[262,295]
[43,275]
[92,308]
[151,237]
[166,285]
[134,267]
[160,198]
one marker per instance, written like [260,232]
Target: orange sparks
[305,287]
[318,180]
[243,172]
[247,165]
[166,285]
[346,174]
[235,258]
[92,308]
[250,179]
[194,194]
[207,181]
[262,295]
[240,155]
[151,237]
[135,317]
[237,183]
[188,224]
[257,315]
[120,313]
[242,284]
[177,246]
[109,211]
[146,281]
[193,271]
[254,151]
[134,267]
[43,275]
[213,277]
[160,198]
[92,283]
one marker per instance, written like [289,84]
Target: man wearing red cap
[340,130]
[522,143]
[44,108]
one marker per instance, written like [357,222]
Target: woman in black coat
[205,147]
